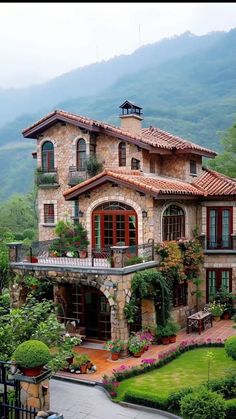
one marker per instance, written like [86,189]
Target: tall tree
[225,162]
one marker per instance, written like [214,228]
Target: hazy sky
[39,41]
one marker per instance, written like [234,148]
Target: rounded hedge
[32,353]
[230,347]
[203,404]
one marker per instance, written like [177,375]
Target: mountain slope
[94,78]
[193,96]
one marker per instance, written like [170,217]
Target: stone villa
[152,188]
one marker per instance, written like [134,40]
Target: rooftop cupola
[131,117]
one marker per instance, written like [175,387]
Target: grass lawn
[188,370]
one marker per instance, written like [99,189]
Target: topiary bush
[231,409]
[32,353]
[230,347]
[203,404]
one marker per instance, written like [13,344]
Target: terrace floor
[101,358]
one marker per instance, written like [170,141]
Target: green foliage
[149,283]
[30,281]
[230,409]
[4,260]
[146,399]
[136,344]
[170,328]
[31,353]
[225,386]
[114,345]
[93,166]
[230,347]
[72,238]
[225,162]
[197,282]
[18,216]
[79,360]
[133,261]
[203,404]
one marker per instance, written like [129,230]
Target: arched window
[81,155]
[173,223]
[122,154]
[48,156]
[114,223]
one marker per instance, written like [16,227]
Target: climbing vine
[149,284]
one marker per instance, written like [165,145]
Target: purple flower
[148,361]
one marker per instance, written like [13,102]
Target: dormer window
[122,154]
[193,168]
[48,156]
[135,164]
[81,155]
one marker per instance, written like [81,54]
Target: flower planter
[138,354]
[172,339]
[165,340]
[226,315]
[216,318]
[146,348]
[114,356]
[83,369]
[32,372]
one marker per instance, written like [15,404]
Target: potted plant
[164,332]
[80,363]
[147,337]
[226,298]
[114,346]
[174,329]
[136,345]
[216,309]
[31,356]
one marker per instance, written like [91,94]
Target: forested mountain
[186,85]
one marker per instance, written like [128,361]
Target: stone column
[35,391]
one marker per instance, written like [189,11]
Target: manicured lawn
[188,370]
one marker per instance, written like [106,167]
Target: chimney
[131,117]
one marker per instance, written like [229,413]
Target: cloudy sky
[39,41]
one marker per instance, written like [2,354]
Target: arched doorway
[90,308]
[114,223]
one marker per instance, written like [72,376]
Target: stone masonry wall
[178,166]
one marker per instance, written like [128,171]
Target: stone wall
[178,166]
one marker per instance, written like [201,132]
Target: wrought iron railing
[56,253]
[46,176]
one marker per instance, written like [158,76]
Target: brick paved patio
[101,358]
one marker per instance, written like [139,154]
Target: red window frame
[122,154]
[49,214]
[218,276]
[48,157]
[219,227]
[114,213]
[81,154]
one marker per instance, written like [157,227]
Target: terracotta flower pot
[32,372]
[216,318]
[114,356]
[165,340]
[226,315]
[83,369]
[138,354]
[146,347]
[172,339]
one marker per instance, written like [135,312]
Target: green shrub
[31,353]
[203,404]
[175,398]
[230,409]
[133,261]
[146,399]
[230,347]
[225,386]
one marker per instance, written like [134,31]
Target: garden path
[101,358]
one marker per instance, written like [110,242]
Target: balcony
[114,258]
[76,175]
[47,178]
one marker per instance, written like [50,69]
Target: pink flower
[148,361]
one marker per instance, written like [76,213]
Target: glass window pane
[213,228]
[225,228]
[225,280]
[211,285]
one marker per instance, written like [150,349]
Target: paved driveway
[78,401]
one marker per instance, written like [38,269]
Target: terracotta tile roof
[162,139]
[215,183]
[149,137]
[156,186]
